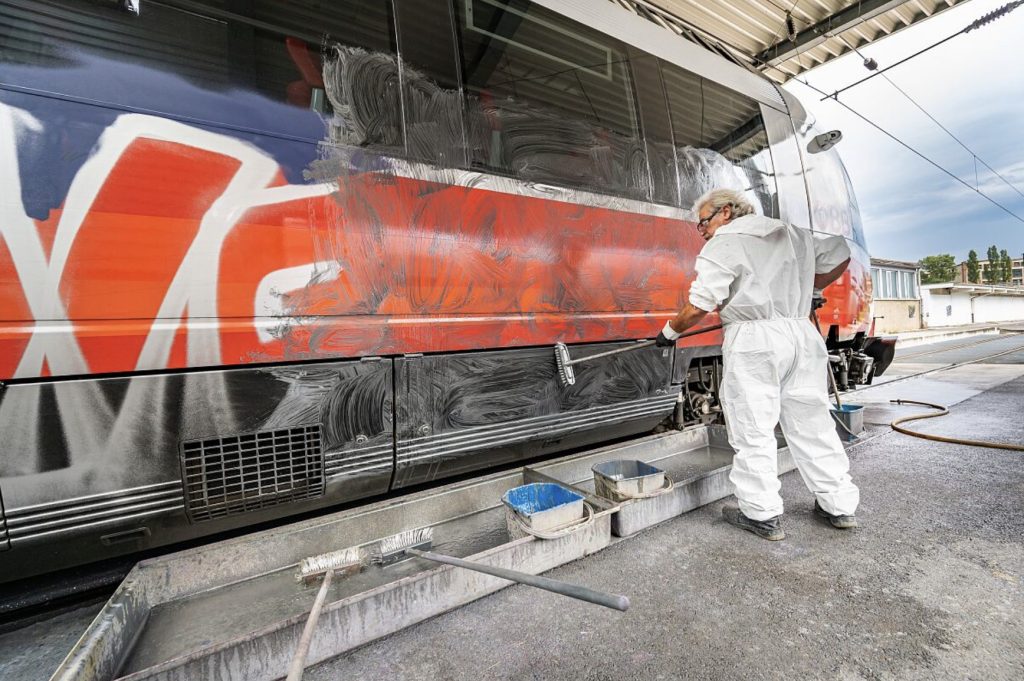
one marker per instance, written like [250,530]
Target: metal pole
[614,601]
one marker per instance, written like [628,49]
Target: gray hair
[717,198]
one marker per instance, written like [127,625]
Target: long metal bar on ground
[577,591]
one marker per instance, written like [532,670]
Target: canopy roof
[756,33]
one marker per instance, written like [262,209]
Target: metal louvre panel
[358,461]
[74,515]
[465,440]
[243,473]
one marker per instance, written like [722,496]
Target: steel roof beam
[819,33]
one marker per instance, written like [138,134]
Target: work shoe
[770,529]
[842,522]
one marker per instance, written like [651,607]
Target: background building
[897,302]
[956,304]
[1017,275]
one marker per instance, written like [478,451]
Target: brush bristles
[393,546]
[345,559]
[562,359]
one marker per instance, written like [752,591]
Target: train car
[259,258]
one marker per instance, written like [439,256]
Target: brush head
[346,560]
[562,359]
[395,549]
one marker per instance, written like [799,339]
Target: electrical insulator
[993,15]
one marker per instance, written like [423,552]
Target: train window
[548,100]
[657,127]
[431,91]
[789,169]
[258,64]
[720,140]
[318,54]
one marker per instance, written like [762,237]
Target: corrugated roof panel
[756,33]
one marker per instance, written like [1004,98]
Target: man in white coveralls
[761,275]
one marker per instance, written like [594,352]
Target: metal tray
[626,478]
[233,611]
[544,505]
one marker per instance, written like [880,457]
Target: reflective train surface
[262,257]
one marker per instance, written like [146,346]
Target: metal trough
[232,611]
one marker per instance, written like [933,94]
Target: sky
[974,86]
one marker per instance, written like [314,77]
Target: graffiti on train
[176,246]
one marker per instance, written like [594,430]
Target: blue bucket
[849,421]
[544,505]
[538,496]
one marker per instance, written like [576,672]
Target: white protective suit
[759,272]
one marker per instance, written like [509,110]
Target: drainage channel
[234,610]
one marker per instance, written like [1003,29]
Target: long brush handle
[614,601]
[628,348]
[641,344]
[828,363]
[299,659]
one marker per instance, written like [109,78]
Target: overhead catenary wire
[914,151]
[765,64]
[787,22]
[936,122]
[987,18]
[978,23]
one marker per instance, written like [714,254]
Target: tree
[973,268]
[1007,266]
[937,269]
[994,270]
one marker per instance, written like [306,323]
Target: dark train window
[657,127]
[431,91]
[720,140]
[257,64]
[548,100]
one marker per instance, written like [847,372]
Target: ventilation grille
[232,475]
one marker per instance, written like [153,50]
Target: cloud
[1007,185]
[909,207]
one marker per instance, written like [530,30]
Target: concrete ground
[929,588]
[929,336]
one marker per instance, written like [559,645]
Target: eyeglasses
[701,224]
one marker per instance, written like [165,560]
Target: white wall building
[957,304]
